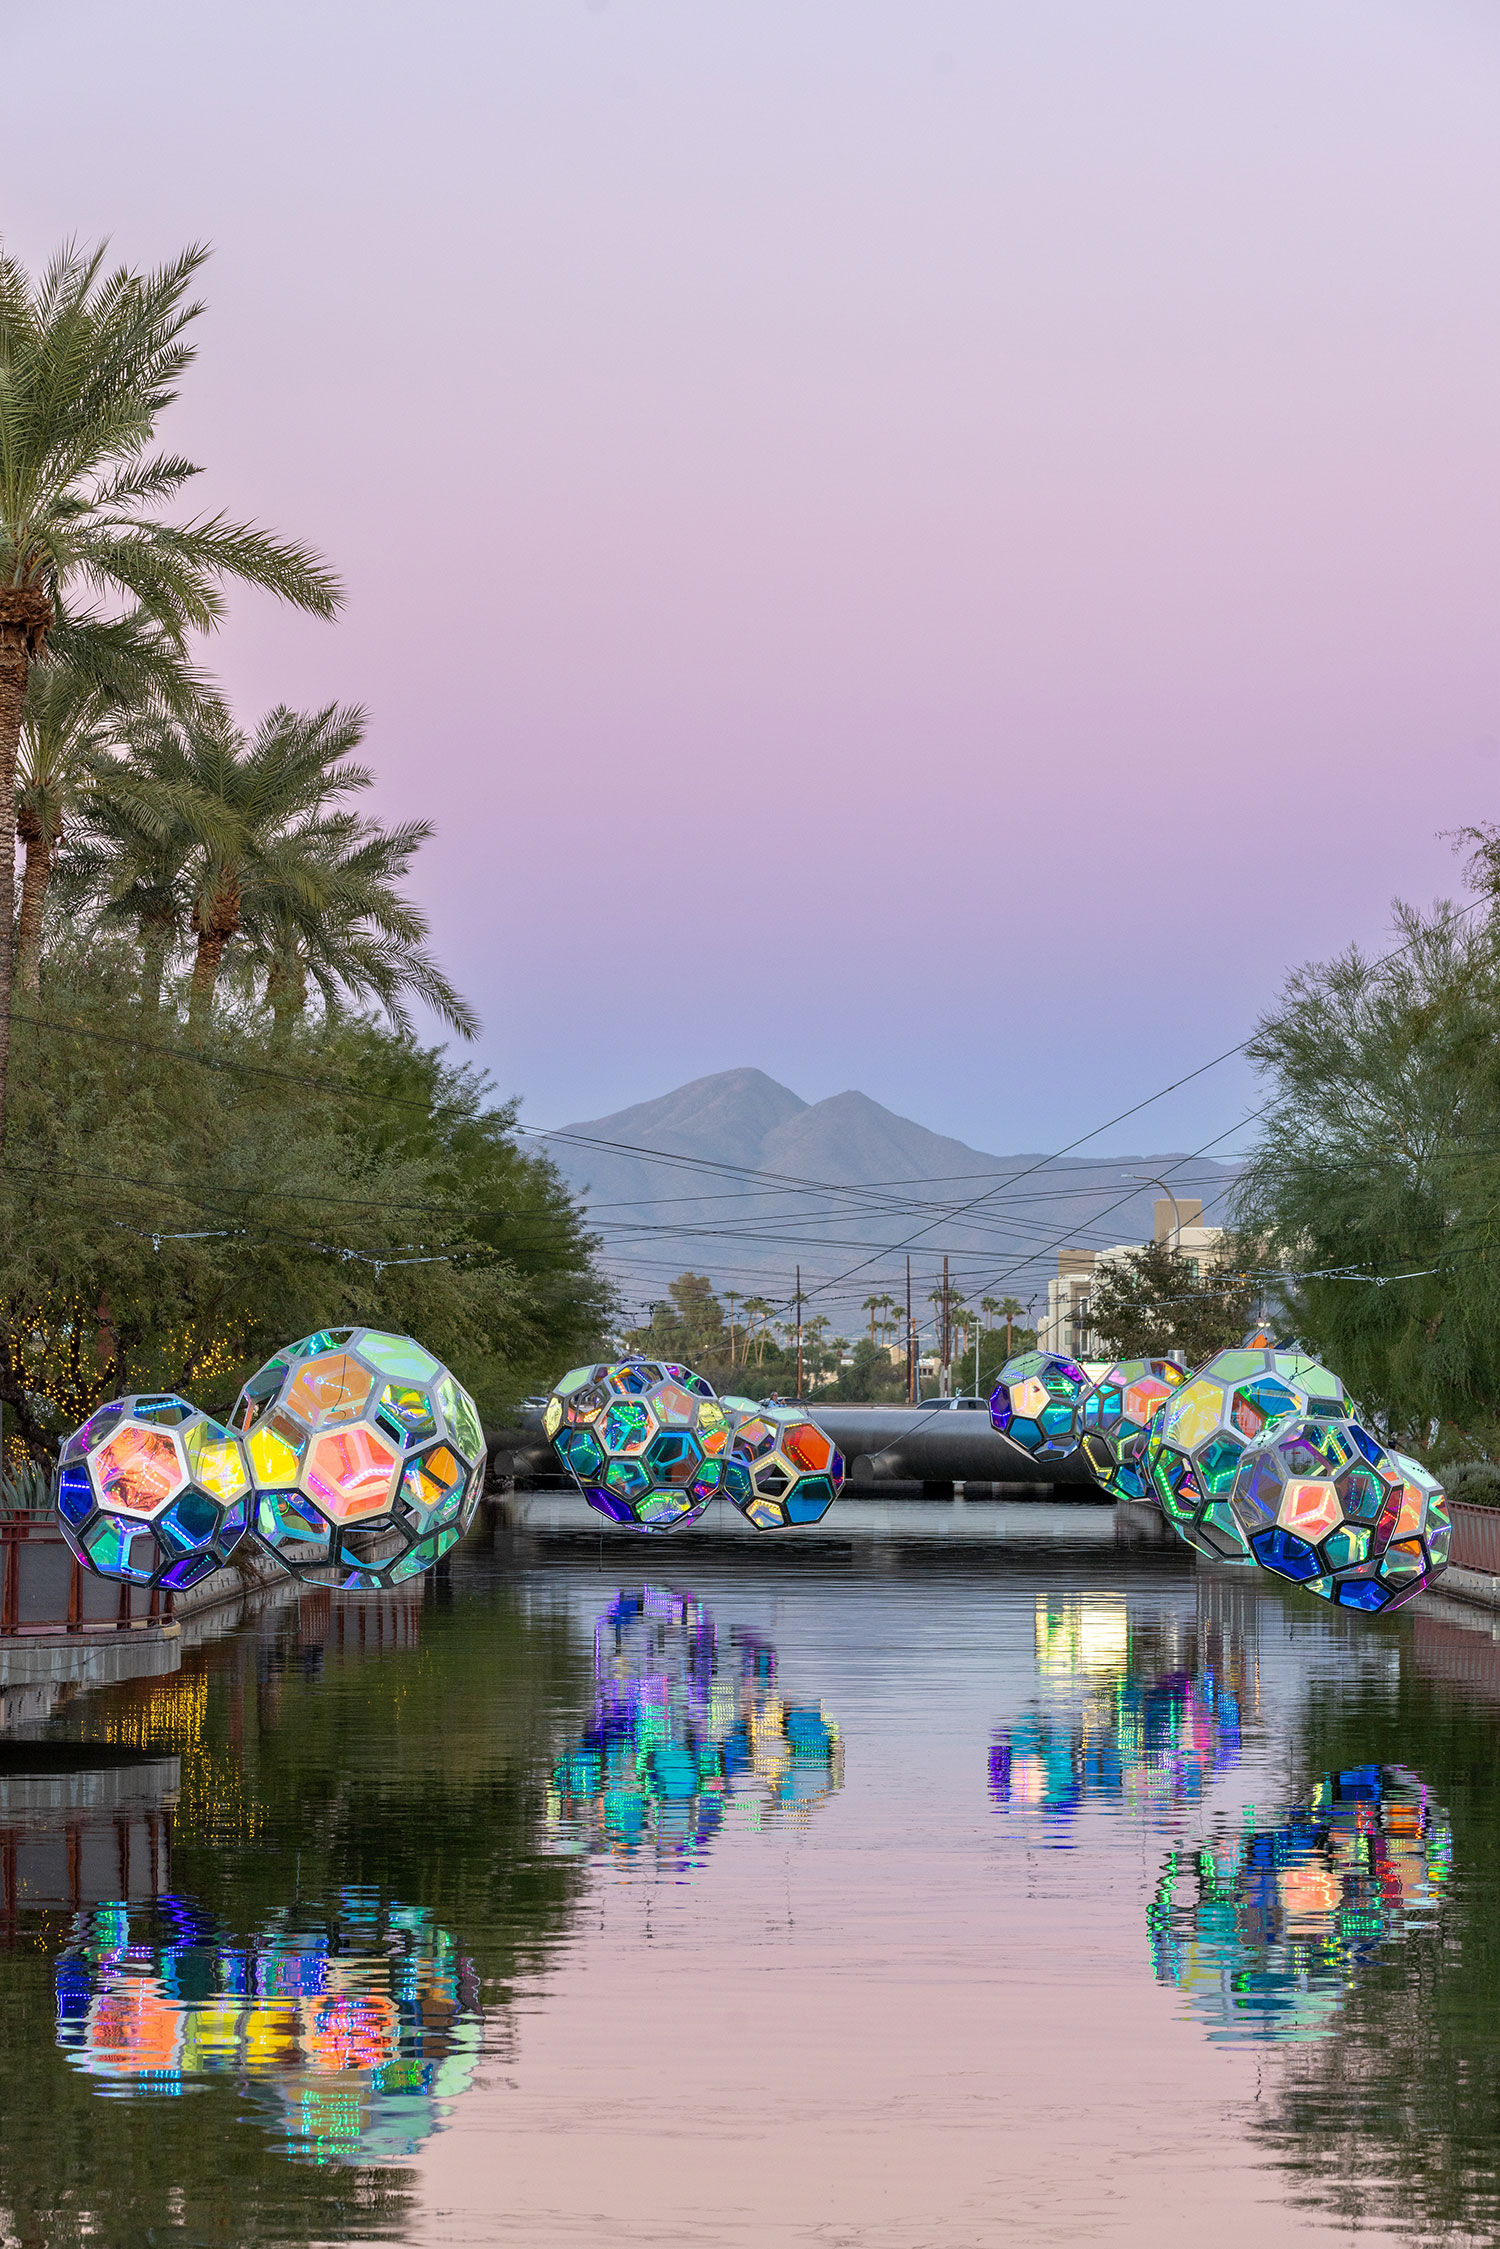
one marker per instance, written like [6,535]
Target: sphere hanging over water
[1196,1444]
[366,1458]
[645,1439]
[152,1492]
[1114,1418]
[782,1468]
[1035,1401]
[1321,1501]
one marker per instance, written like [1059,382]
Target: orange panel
[349,1472]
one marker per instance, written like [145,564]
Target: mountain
[736,1176]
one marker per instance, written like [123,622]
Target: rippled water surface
[971,1875]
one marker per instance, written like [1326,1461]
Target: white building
[1065,1325]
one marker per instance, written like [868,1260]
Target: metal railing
[1476,1538]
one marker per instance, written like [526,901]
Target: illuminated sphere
[782,1468]
[644,1440]
[1195,1446]
[152,1492]
[1035,1401]
[366,1458]
[1322,1501]
[1113,1420]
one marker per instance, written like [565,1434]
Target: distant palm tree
[758,1308]
[989,1306]
[88,362]
[873,1305]
[1010,1310]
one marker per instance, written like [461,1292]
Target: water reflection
[685,1726]
[1142,1713]
[355,2030]
[1264,1932]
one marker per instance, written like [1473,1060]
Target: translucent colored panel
[673,1458]
[670,1403]
[660,1509]
[809,1499]
[1403,1562]
[1030,1398]
[1363,1593]
[463,1419]
[75,1494]
[1311,1509]
[1348,1545]
[287,1515]
[1193,1414]
[121,1549]
[627,1427]
[765,1514]
[1289,1556]
[214,1459]
[137,1468]
[444,1469]
[408,1408]
[1219,1531]
[1362,1494]
[628,1478]
[161,1413]
[552,1418]
[189,1571]
[397,1355]
[1143,1398]
[606,1503]
[326,1339]
[807,1447]
[574,1379]
[628,1381]
[752,1438]
[334,1387]
[714,1441]
[96,1428]
[737,1480]
[275,1450]
[706,1482]
[350,1472]
[711,1416]
[190,1521]
[1319,1383]
[772,1477]
[1234,1366]
[1218,1463]
[581,1451]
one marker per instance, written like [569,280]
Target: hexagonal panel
[117,1548]
[191,1522]
[806,1447]
[673,1457]
[351,1473]
[627,1427]
[1310,1508]
[331,1388]
[398,1356]
[138,1469]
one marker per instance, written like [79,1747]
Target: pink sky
[937,549]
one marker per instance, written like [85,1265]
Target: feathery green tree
[89,361]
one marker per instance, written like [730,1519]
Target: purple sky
[929,548]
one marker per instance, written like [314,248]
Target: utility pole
[947,1334]
[799,1331]
[911,1344]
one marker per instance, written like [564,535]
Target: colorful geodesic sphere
[152,1492]
[1034,1403]
[644,1440]
[366,1458]
[1196,1444]
[782,1468]
[1114,1417]
[1322,1501]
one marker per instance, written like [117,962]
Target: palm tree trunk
[34,883]
[205,976]
[25,618]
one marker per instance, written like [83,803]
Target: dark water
[966,1878]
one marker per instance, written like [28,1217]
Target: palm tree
[88,363]
[758,1308]
[872,1305]
[731,1298]
[1010,1310]
[989,1306]
[68,731]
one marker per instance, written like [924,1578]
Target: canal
[982,1879]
